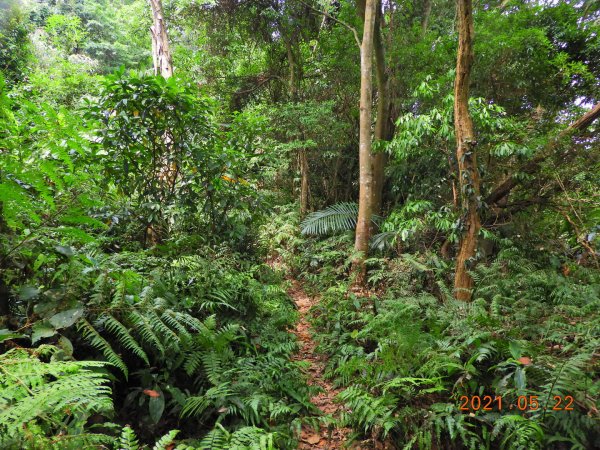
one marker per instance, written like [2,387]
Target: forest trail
[323,439]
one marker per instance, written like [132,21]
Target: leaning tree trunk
[365,199]
[161,52]
[502,191]
[466,156]
[381,124]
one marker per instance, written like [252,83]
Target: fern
[89,333]
[519,433]
[164,442]
[32,390]
[145,329]
[128,440]
[212,363]
[246,438]
[194,406]
[369,412]
[115,327]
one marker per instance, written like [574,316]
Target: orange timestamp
[523,403]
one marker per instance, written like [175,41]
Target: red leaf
[151,393]
[524,360]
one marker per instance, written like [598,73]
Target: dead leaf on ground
[313,439]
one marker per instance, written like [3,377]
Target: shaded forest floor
[330,435]
[327,437]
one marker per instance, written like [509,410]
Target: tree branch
[341,22]
[504,188]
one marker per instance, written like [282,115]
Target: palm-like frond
[333,219]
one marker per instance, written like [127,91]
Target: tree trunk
[466,156]
[365,199]
[161,52]
[426,15]
[294,87]
[292,69]
[381,124]
[304,187]
[163,65]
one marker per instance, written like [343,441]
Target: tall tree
[466,155]
[383,110]
[163,65]
[365,200]
[161,52]
[426,14]
[290,38]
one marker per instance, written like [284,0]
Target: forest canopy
[280,224]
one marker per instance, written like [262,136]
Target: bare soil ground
[325,438]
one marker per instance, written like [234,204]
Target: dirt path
[323,439]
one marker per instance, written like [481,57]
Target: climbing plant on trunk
[466,155]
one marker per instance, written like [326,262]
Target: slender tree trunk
[426,15]
[365,199]
[161,52]
[163,65]
[294,79]
[304,187]
[292,68]
[466,156]
[381,123]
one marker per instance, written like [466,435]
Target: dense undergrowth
[150,226]
[131,309]
[195,343]
[406,352]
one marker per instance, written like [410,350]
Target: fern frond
[115,327]
[166,440]
[194,406]
[31,390]
[212,363]
[89,333]
[146,331]
[128,440]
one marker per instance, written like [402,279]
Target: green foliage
[336,218]
[66,32]
[42,399]
[195,330]
[414,222]
[415,359]
[128,440]
[51,143]
[163,146]
[133,227]
[250,438]
[15,48]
